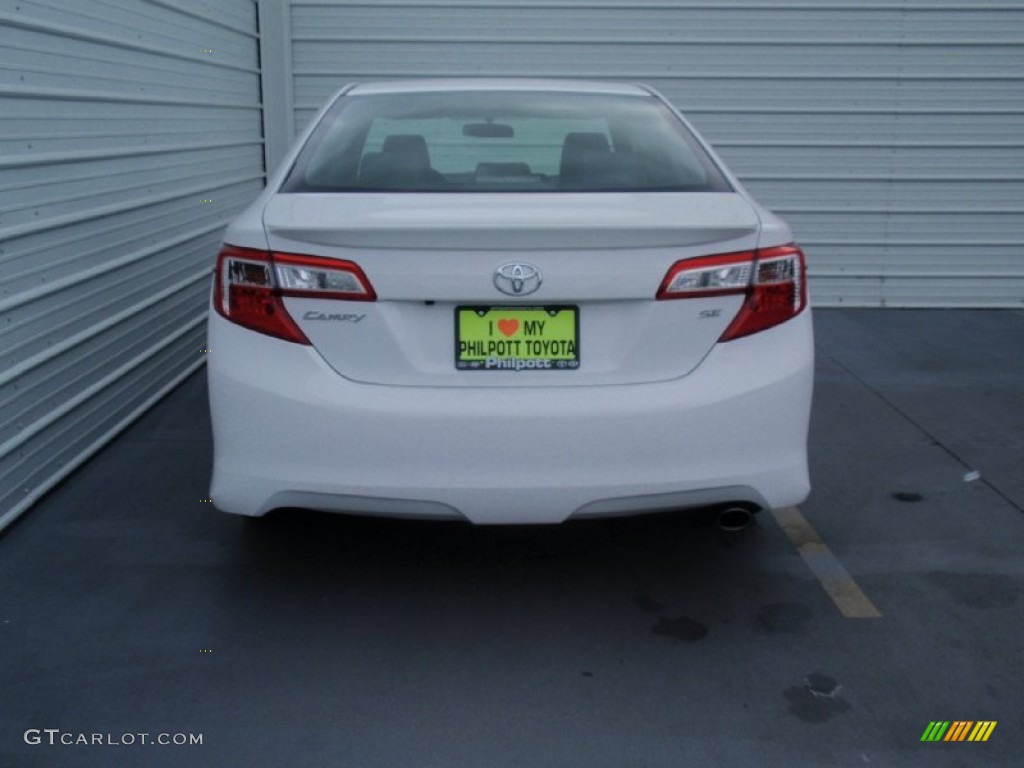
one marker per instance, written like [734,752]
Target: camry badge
[517,278]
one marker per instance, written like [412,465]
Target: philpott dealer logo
[958,730]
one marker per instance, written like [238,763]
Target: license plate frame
[528,347]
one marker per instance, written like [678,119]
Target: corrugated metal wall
[888,133]
[130,133]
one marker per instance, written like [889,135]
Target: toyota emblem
[517,278]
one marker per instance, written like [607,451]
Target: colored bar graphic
[982,730]
[958,730]
[935,730]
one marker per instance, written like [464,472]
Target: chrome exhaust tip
[734,519]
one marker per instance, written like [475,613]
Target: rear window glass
[507,141]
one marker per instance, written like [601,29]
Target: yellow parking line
[836,580]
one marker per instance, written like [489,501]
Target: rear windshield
[508,141]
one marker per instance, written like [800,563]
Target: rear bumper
[289,431]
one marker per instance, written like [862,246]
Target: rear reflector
[250,285]
[772,280]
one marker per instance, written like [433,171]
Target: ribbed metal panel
[130,132]
[888,133]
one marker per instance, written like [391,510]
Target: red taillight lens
[321,278]
[773,280]
[720,275]
[250,284]
[777,293]
[244,293]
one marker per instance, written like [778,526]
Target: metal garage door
[130,132]
[887,132]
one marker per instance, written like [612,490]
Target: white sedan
[507,301]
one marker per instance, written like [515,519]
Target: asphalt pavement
[129,606]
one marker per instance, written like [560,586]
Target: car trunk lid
[602,255]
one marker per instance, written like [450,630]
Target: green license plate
[517,338]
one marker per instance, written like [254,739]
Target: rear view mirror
[488,130]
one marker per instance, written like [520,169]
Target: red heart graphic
[508,326]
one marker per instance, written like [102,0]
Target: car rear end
[497,303]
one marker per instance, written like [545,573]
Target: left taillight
[773,281]
[249,286]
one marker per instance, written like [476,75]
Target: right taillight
[250,284]
[772,280]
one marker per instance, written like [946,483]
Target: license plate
[517,338]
